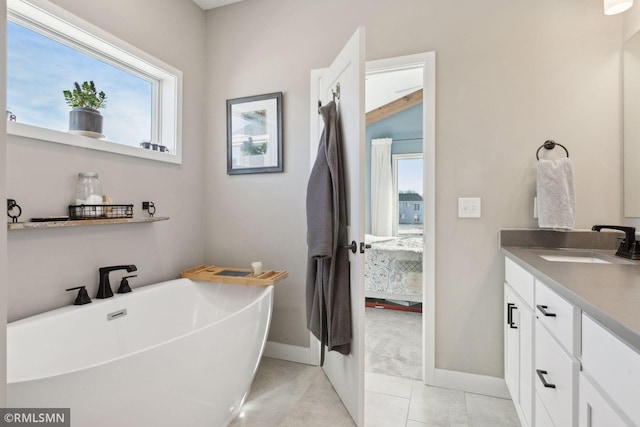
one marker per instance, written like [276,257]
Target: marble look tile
[486,411]
[437,406]
[386,384]
[276,388]
[288,394]
[383,410]
[320,406]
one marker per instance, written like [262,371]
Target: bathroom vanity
[571,331]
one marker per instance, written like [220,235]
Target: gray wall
[509,76]
[631,20]
[41,176]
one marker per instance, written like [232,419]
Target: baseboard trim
[472,383]
[291,353]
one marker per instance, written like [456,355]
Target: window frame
[395,158]
[56,23]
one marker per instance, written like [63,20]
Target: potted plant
[84,118]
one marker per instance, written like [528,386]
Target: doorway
[394,223]
[412,210]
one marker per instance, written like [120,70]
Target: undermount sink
[582,257]
[589,259]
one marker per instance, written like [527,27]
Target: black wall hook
[11,205]
[149,207]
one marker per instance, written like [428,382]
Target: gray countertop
[609,293]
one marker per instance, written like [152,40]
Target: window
[408,184]
[48,50]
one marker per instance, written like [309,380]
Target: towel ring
[550,145]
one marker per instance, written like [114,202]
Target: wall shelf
[80,223]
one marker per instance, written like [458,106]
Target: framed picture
[254,134]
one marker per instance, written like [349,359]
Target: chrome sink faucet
[629,246]
[104,289]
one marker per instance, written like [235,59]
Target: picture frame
[254,134]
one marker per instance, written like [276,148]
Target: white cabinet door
[511,345]
[613,366]
[594,410]
[518,353]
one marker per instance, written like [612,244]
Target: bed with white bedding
[393,268]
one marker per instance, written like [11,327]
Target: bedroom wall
[41,176]
[405,124]
[509,76]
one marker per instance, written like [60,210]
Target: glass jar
[88,189]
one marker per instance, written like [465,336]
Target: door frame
[427,61]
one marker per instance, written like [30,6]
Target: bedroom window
[48,50]
[408,199]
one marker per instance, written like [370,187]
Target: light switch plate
[469,207]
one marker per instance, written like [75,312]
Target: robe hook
[336,93]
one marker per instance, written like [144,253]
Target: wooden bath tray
[235,276]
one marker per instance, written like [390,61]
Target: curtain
[381,188]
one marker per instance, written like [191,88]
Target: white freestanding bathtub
[177,353]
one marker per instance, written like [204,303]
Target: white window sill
[50,135]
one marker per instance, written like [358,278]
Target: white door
[346,373]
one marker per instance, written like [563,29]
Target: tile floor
[288,394]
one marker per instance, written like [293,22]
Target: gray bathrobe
[328,296]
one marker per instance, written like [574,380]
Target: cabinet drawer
[520,280]
[542,417]
[560,316]
[613,365]
[560,372]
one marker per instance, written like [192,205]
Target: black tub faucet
[104,289]
[629,247]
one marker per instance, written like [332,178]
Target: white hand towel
[556,195]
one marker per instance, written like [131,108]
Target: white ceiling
[210,4]
[385,87]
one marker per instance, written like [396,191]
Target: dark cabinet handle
[510,307]
[543,310]
[541,374]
